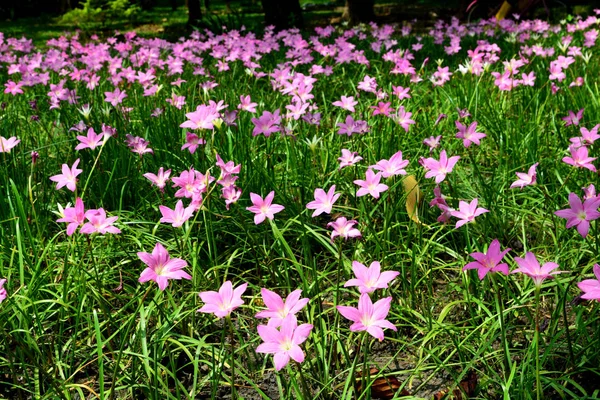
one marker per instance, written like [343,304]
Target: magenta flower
[370,185]
[75,216]
[284,343]
[488,262]
[439,169]
[525,179]
[225,301]
[343,228]
[267,123]
[589,287]
[192,142]
[369,279]
[581,213]
[348,158]
[587,138]
[579,158]
[467,212]
[469,134]
[368,316]
[277,310]
[68,177]
[91,141]
[7,144]
[160,180]
[115,97]
[176,217]
[323,201]
[161,267]
[99,223]
[263,208]
[3,294]
[395,166]
[573,118]
[531,267]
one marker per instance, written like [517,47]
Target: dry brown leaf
[383,387]
[414,197]
[466,386]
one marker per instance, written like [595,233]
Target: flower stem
[500,309]
[538,383]
[233,393]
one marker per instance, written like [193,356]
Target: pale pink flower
[370,279]
[176,217]
[285,342]
[488,262]
[161,267]
[467,212]
[395,166]
[347,103]
[263,208]
[344,228]
[581,213]
[115,97]
[530,266]
[469,134]
[75,216]
[589,287]
[579,158]
[68,177]
[246,104]
[525,179]
[160,180]
[91,141]
[3,293]
[277,310]
[439,169]
[192,142]
[323,201]
[7,144]
[348,158]
[402,118]
[202,118]
[368,316]
[99,223]
[221,304]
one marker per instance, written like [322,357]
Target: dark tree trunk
[283,14]
[358,11]
[194,12]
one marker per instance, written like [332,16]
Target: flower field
[352,213]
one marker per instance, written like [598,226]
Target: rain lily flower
[323,201]
[160,180]
[115,97]
[285,342]
[433,142]
[91,141]
[395,166]
[573,118]
[469,134]
[347,103]
[348,158]
[202,118]
[192,142]
[369,279]
[263,208]
[3,293]
[225,301]
[7,144]
[402,118]
[368,316]
[161,267]
[588,136]
[589,287]
[343,228]
[75,216]
[68,177]
[525,179]
[439,169]
[370,185]
[176,217]
[531,267]
[467,212]
[277,310]
[246,104]
[267,123]
[579,158]
[99,223]
[490,261]
[581,213]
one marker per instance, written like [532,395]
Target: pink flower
[348,158]
[433,142]
[580,214]
[246,104]
[91,141]
[202,118]
[263,208]
[439,169]
[347,103]
[7,144]
[284,343]
[469,134]
[579,158]
[343,228]
[3,293]
[588,137]
[488,262]
[161,267]
[323,201]
[225,301]
[589,287]
[99,223]
[277,310]
[369,279]
[525,179]
[572,118]
[370,185]
[395,166]
[68,177]
[75,216]
[368,316]
[267,123]
[176,217]
[159,180]
[531,267]
[402,118]
[192,142]
[115,97]
[467,212]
